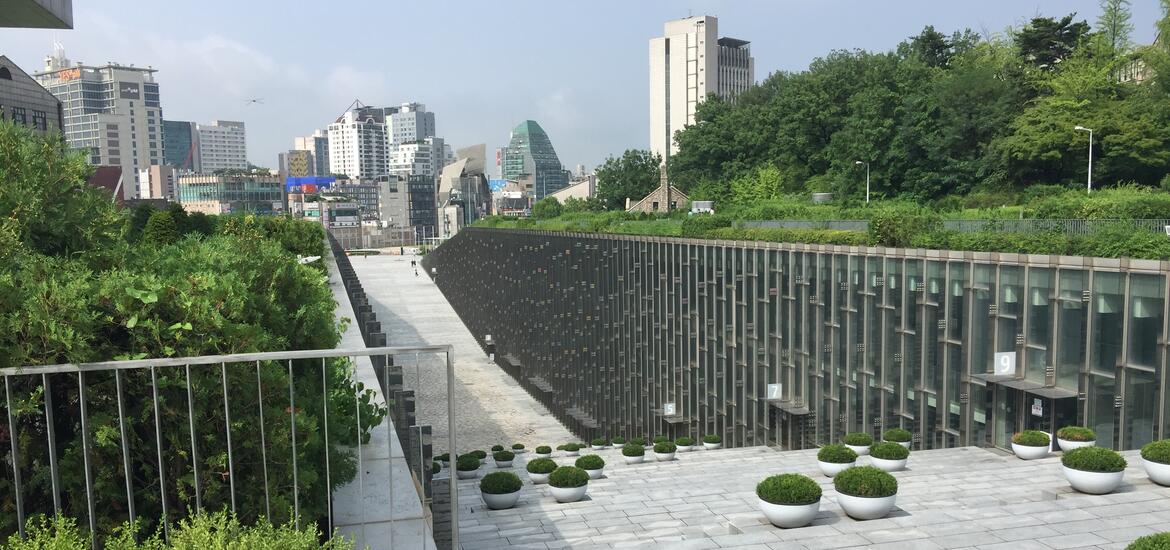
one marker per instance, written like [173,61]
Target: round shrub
[497,448]
[478,454]
[661,438]
[1076,433]
[633,449]
[897,435]
[888,450]
[467,463]
[445,457]
[1031,438]
[789,489]
[684,442]
[435,468]
[541,466]
[517,446]
[857,439]
[665,447]
[568,477]
[544,449]
[619,441]
[1158,541]
[500,483]
[590,462]
[600,442]
[573,447]
[1093,459]
[1157,451]
[712,439]
[865,481]
[561,447]
[837,454]
[503,456]
[638,441]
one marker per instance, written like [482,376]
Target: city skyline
[592,100]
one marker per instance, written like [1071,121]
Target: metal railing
[99,418]
[1072,227]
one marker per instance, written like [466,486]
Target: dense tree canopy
[630,176]
[941,115]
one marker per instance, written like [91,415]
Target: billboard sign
[129,90]
[497,185]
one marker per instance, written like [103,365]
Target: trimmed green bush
[619,440]
[665,447]
[789,489]
[1157,451]
[590,462]
[479,454]
[445,457]
[1031,438]
[1094,459]
[633,449]
[568,477]
[544,449]
[1158,541]
[541,466]
[1076,433]
[888,450]
[503,456]
[836,454]
[712,439]
[570,447]
[561,447]
[436,468]
[661,438]
[600,442]
[517,446]
[638,441]
[467,463]
[897,435]
[496,448]
[500,483]
[684,442]
[865,481]
[857,439]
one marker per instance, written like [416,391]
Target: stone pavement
[491,408]
[952,498]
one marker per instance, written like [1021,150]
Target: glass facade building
[795,345]
[238,194]
[531,160]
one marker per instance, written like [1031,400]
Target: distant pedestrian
[416,273]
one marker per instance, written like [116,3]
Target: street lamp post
[859,163]
[1090,131]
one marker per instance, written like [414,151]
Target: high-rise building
[223,145]
[24,101]
[111,111]
[297,164]
[688,62]
[41,14]
[318,144]
[358,143]
[531,160]
[409,122]
[425,157]
[463,183]
[158,182]
[181,145]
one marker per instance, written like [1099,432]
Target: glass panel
[1141,402]
[1073,317]
[1105,344]
[1101,414]
[1040,322]
[1145,320]
[981,320]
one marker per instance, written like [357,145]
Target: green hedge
[789,489]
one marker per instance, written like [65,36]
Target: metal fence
[250,432]
[1074,227]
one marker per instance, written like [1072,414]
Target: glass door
[1005,415]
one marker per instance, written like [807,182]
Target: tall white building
[425,157]
[358,144]
[111,111]
[223,146]
[409,122]
[688,62]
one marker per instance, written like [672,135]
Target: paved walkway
[952,498]
[491,408]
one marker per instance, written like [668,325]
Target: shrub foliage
[590,462]
[865,481]
[1031,438]
[789,489]
[1157,451]
[1094,459]
[836,454]
[568,477]
[633,449]
[888,450]
[541,466]
[500,483]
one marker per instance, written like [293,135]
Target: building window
[19,116]
[40,120]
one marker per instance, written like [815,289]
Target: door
[1005,415]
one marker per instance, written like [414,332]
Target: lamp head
[1082,128]
[858,162]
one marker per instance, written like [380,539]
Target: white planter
[1093,483]
[1159,473]
[634,459]
[466,475]
[482,461]
[507,464]
[902,443]
[831,469]
[685,448]
[519,451]
[1025,452]
[664,457]
[711,446]
[864,507]
[861,450]
[598,447]
[888,465]
[568,495]
[1066,445]
[572,453]
[500,502]
[595,474]
[788,516]
[537,479]
[542,455]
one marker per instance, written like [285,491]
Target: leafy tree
[591,204]
[160,229]
[548,207]
[1114,23]
[632,175]
[1045,42]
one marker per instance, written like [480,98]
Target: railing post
[15,458]
[453,484]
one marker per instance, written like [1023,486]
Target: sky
[579,68]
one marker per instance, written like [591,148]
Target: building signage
[668,409]
[129,90]
[1037,407]
[1005,363]
[67,75]
[774,391]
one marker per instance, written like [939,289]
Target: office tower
[688,62]
[223,146]
[409,122]
[358,143]
[181,145]
[531,160]
[318,144]
[111,111]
